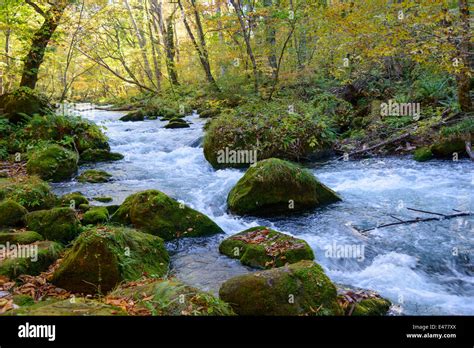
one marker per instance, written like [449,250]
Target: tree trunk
[462,78]
[270,38]
[35,56]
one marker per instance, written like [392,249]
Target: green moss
[103,199]
[23,300]
[31,192]
[104,256]
[297,289]
[53,163]
[58,224]
[94,176]
[99,155]
[12,213]
[154,212]
[20,237]
[23,101]
[84,207]
[177,123]
[262,247]
[95,215]
[133,116]
[445,149]
[372,307]
[422,154]
[74,199]
[274,186]
[70,307]
[47,253]
[171,297]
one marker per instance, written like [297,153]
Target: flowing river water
[424,268]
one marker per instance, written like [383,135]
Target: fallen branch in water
[415,220]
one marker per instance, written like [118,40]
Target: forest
[236,157]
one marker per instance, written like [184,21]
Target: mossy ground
[274,186]
[262,247]
[154,212]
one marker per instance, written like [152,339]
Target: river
[424,268]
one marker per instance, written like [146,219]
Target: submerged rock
[170,297]
[177,123]
[12,213]
[102,257]
[94,176]
[53,163]
[69,307]
[103,199]
[31,192]
[30,258]
[262,247]
[274,186]
[154,212]
[300,288]
[133,116]
[57,224]
[99,155]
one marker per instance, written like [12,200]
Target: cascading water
[424,268]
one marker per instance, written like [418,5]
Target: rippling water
[424,268]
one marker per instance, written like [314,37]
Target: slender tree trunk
[221,35]
[246,35]
[155,45]
[200,46]
[270,37]
[41,38]
[463,80]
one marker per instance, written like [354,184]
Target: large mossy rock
[30,259]
[170,297]
[301,288]
[53,163]
[57,224]
[261,247]
[99,155]
[73,200]
[23,101]
[156,213]
[94,176]
[12,213]
[274,186]
[31,192]
[445,149]
[69,307]
[19,237]
[103,257]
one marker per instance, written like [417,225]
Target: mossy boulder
[274,186]
[99,155]
[102,257]
[95,215]
[300,288]
[12,213]
[156,213]
[21,102]
[103,199]
[372,307]
[261,247]
[94,176]
[73,200]
[53,163]
[171,298]
[31,192]
[177,123]
[133,116]
[57,224]
[70,307]
[19,237]
[30,259]
[444,149]
[422,154]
